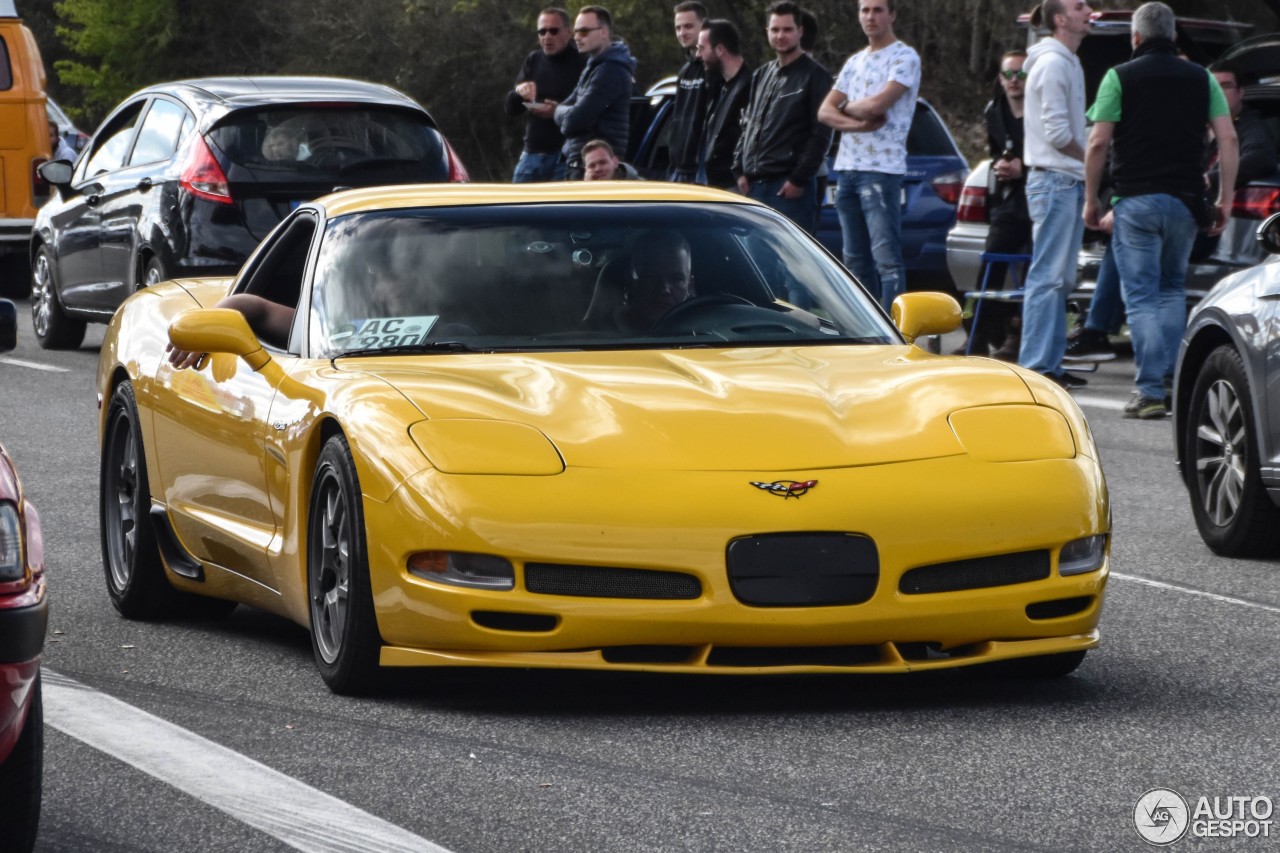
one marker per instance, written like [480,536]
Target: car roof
[452,195]
[234,92]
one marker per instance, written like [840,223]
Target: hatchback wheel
[344,629]
[154,273]
[1235,516]
[53,328]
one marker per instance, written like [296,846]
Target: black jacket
[781,136]
[1005,199]
[687,115]
[724,127]
[555,77]
[599,107]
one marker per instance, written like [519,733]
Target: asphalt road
[1182,695]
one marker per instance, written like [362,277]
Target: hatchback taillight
[948,186]
[201,174]
[40,189]
[973,205]
[1256,202]
[457,172]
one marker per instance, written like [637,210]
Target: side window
[277,272]
[6,70]
[158,138]
[112,143]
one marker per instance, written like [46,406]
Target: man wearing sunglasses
[599,107]
[548,74]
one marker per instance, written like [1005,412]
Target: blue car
[936,172]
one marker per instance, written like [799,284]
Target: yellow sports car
[621,426]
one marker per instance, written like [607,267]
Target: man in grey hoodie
[1053,153]
[600,105]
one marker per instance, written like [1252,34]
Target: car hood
[767,409]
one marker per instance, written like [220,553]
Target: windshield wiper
[411,349]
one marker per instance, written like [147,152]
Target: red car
[24,615]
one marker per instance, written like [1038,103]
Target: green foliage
[122,41]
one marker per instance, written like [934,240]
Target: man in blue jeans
[548,74]
[1155,108]
[872,104]
[1053,151]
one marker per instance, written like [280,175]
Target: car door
[131,192]
[211,429]
[78,222]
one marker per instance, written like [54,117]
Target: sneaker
[1145,408]
[1090,345]
[1070,381]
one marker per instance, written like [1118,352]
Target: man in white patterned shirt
[872,104]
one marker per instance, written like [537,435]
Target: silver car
[1226,407]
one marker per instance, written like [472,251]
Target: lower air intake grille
[1000,570]
[606,582]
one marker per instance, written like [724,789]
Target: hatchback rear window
[332,142]
[928,137]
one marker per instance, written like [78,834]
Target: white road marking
[34,365]
[1226,599]
[299,815]
[1092,402]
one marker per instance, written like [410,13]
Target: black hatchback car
[183,179]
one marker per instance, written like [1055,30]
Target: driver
[661,278]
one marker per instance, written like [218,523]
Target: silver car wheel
[331,580]
[1221,452]
[41,295]
[121,489]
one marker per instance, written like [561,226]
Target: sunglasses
[582,31]
[1009,75]
[549,31]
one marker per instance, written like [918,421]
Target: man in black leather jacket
[783,144]
[719,48]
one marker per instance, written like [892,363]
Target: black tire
[344,628]
[21,780]
[1235,516]
[53,328]
[153,273]
[130,555]
[15,275]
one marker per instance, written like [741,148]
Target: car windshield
[576,276]
[330,142]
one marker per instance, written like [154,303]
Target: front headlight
[1082,555]
[479,571]
[11,565]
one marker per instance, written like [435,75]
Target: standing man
[690,108]
[720,50]
[783,144]
[600,104]
[872,104]
[1155,108]
[549,73]
[1054,157]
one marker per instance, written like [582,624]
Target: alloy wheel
[1221,452]
[42,295]
[331,579]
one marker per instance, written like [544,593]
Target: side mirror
[8,325]
[216,330]
[917,314]
[1269,234]
[56,172]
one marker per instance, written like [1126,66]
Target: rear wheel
[1235,516]
[21,779]
[153,273]
[344,629]
[130,556]
[52,327]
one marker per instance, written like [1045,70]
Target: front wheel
[1235,516]
[344,629]
[130,554]
[52,327]
[21,779]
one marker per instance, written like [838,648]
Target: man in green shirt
[1155,108]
